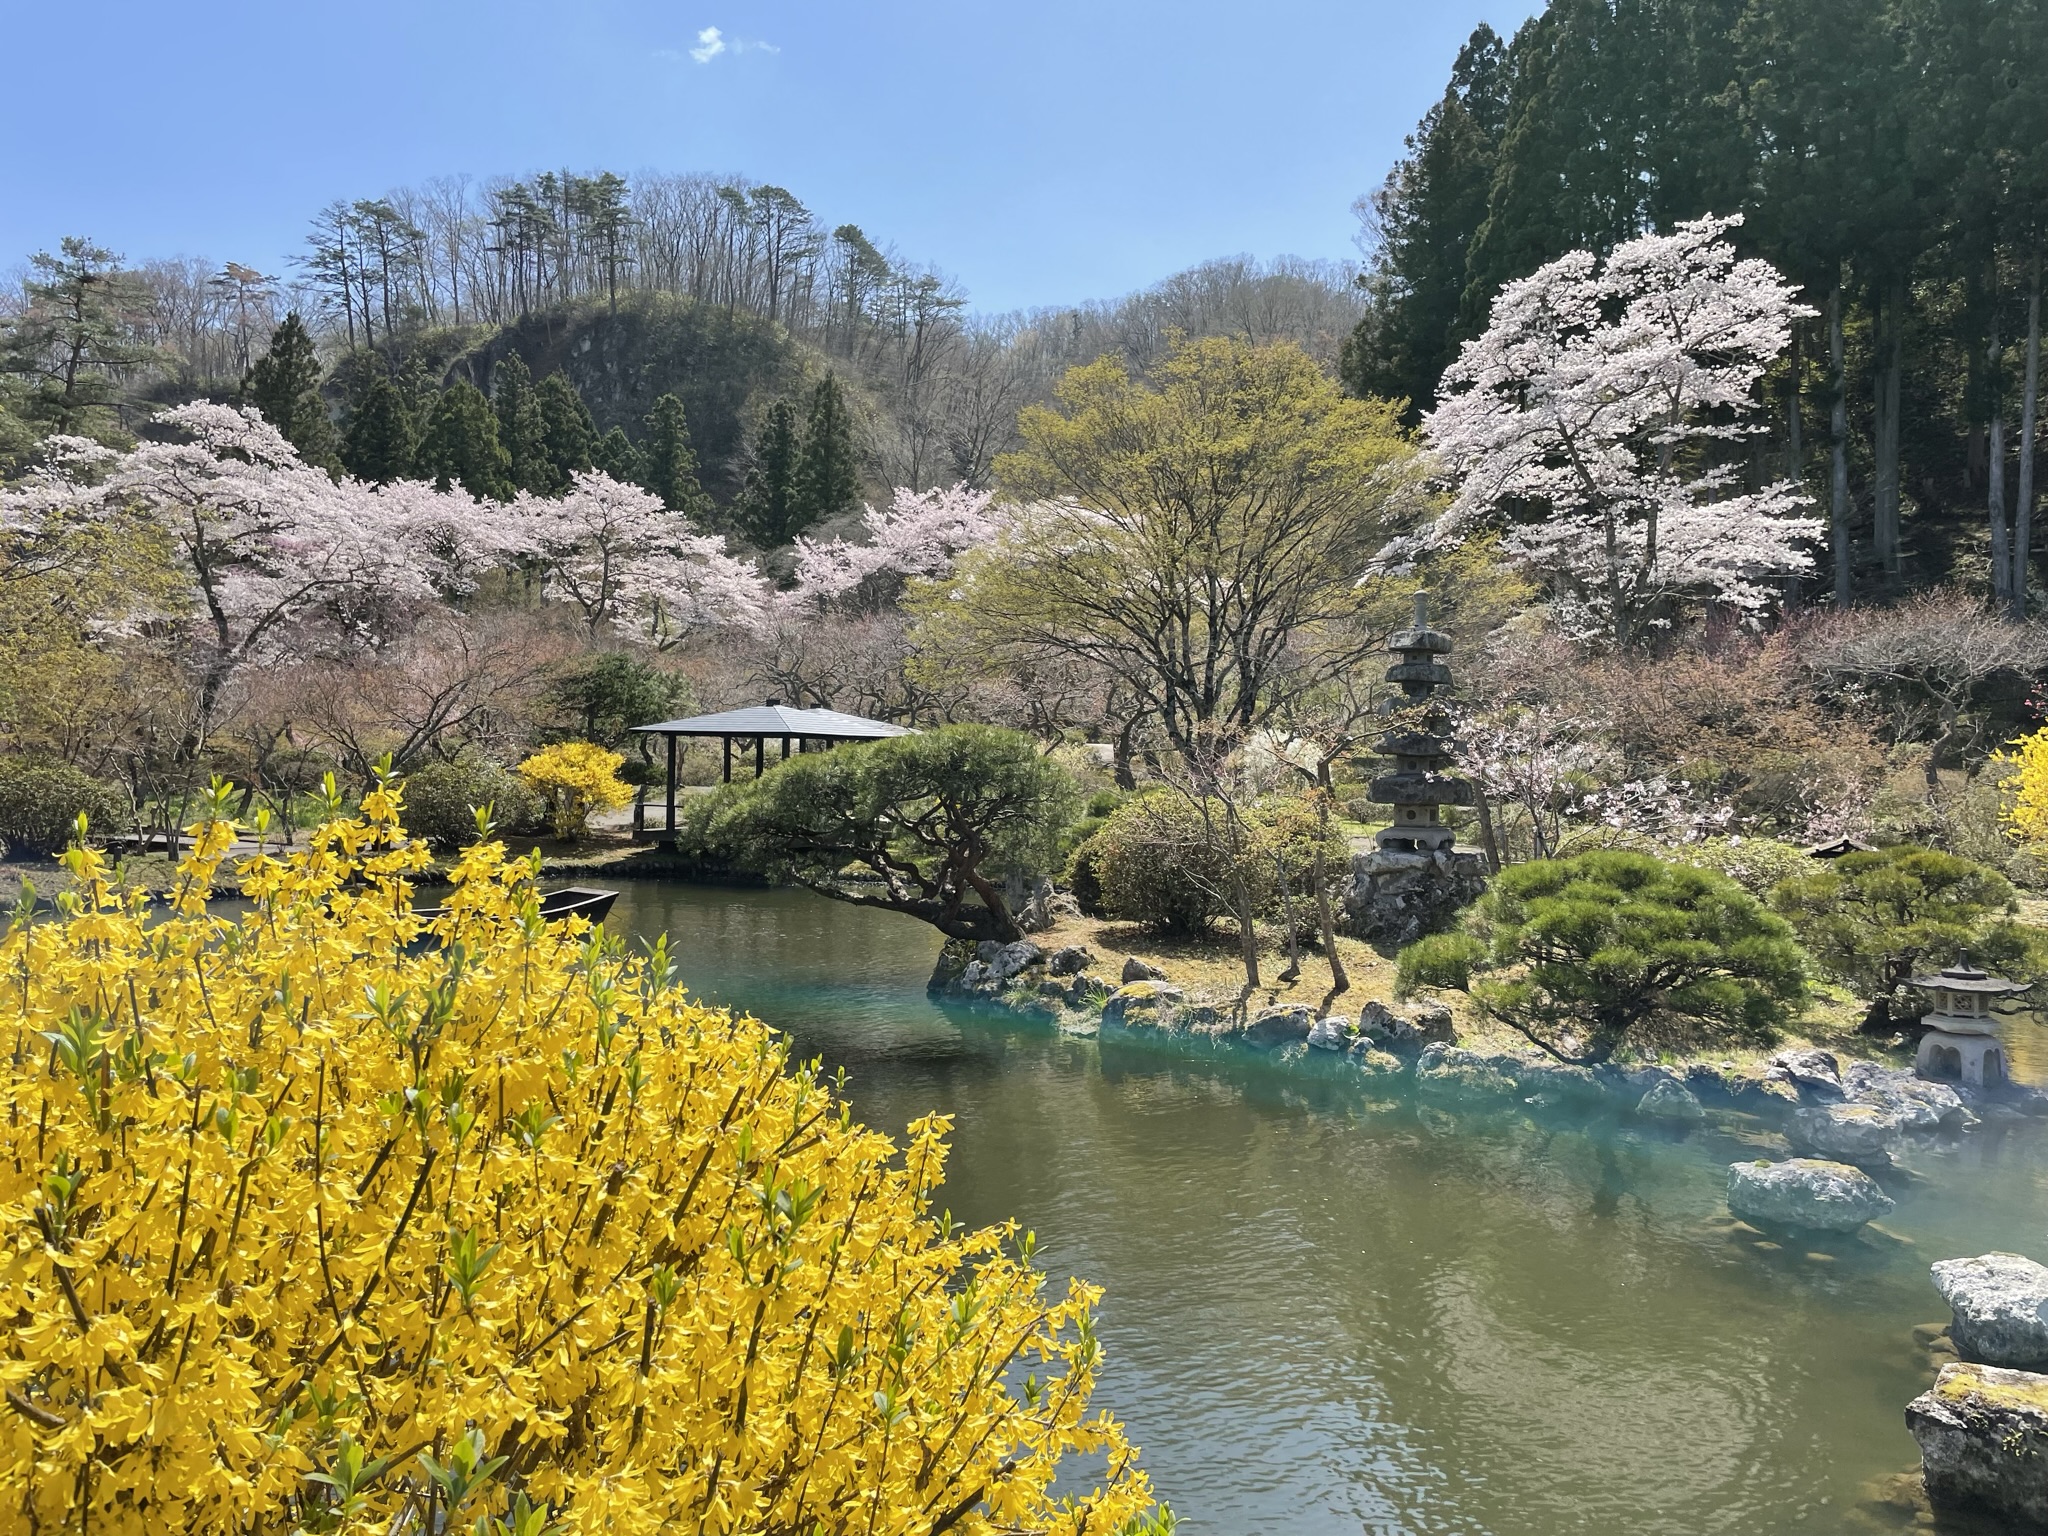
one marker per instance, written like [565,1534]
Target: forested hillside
[1889,156]
[727,294]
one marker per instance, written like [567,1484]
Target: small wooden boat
[570,901]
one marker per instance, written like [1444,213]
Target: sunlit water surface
[1329,1314]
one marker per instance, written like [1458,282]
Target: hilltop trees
[1595,414]
[73,340]
[285,386]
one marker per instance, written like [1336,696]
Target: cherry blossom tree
[623,559]
[262,539]
[1596,415]
[919,536]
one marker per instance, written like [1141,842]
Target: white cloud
[753,45]
[710,44]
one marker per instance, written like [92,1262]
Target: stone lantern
[1416,875]
[1961,1044]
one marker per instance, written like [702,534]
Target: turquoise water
[1330,1314]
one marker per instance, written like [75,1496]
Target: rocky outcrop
[1147,1002]
[1070,961]
[1983,1435]
[1863,1134]
[1283,1025]
[1673,1101]
[1810,1069]
[1332,1033]
[2000,1302]
[1406,1032]
[1140,970]
[1446,1071]
[1805,1192]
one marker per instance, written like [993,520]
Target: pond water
[1326,1314]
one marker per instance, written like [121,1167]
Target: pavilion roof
[775,719]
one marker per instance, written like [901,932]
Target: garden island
[663,880]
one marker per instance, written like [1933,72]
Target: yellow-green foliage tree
[307,1226]
[574,778]
[1195,535]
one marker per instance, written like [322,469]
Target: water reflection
[1333,1313]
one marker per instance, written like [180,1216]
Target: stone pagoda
[1416,876]
[1961,1044]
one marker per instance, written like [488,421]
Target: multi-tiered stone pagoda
[1416,876]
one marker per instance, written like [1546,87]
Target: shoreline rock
[1855,1112]
[1983,1436]
[2000,1304]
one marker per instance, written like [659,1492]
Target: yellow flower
[574,778]
[305,1223]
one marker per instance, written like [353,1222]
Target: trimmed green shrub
[40,804]
[1172,865]
[1586,951]
[441,801]
[1441,960]
[1872,919]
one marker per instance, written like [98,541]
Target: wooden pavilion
[772,721]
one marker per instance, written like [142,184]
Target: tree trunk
[1838,471]
[1885,437]
[1488,841]
[1293,972]
[2023,514]
[1795,446]
[1247,933]
[1994,464]
[1340,981]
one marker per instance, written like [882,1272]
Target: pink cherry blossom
[1593,414]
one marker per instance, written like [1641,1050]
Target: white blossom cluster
[1594,414]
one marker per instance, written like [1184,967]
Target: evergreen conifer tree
[769,512]
[285,386]
[1431,206]
[566,429]
[521,431]
[380,440]
[461,445]
[668,465]
[616,456]
[69,344]
[827,480]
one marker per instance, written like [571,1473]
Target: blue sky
[1040,153]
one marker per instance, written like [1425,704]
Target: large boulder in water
[2000,1302]
[1671,1101]
[1330,1034]
[1983,1435]
[1805,1192]
[1851,1133]
[1142,1003]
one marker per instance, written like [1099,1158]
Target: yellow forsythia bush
[574,778]
[2026,784]
[311,1226]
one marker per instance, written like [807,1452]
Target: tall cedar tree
[827,480]
[668,466]
[615,454]
[769,511]
[566,429]
[380,441]
[285,386]
[461,445]
[521,430]
[1425,216]
[74,337]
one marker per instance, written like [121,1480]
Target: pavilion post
[728,758]
[669,826]
[785,749]
[760,755]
